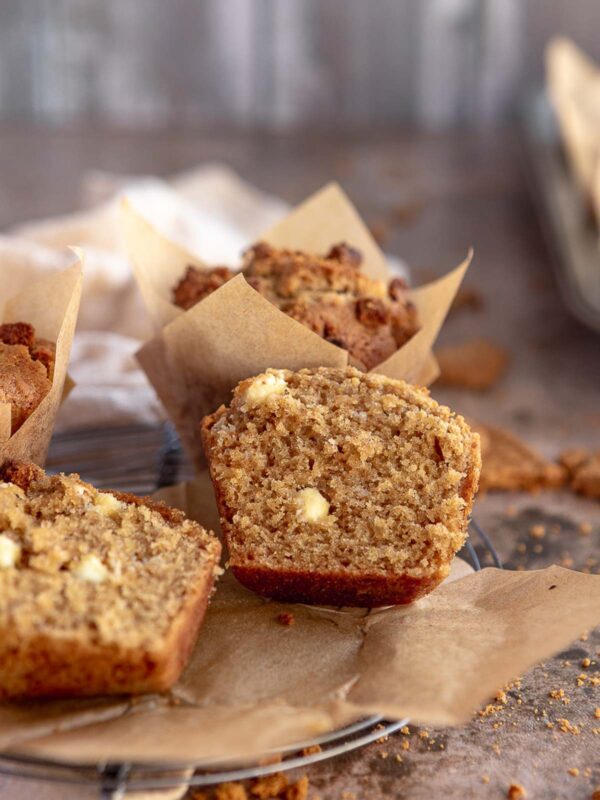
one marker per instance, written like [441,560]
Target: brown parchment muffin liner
[199,355]
[51,305]
[245,692]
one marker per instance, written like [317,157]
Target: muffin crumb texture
[345,488]
[100,592]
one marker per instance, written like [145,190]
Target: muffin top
[329,294]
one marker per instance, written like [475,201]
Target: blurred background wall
[279,64]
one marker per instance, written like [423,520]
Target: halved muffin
[340,487]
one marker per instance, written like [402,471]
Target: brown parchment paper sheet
[200,355]
[51,305]
[253,685]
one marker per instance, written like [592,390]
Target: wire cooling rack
[140,459]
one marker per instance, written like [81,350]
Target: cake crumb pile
[269,787]
[341,487]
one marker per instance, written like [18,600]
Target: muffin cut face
[338,487]
[100,593]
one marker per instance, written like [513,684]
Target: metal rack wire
[140,459]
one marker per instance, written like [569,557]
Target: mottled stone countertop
[430,198]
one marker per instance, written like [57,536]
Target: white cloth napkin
[210,210]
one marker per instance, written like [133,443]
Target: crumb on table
[230,791]
[298,790]
[286,618]
[314,748]
[516,792]
[475,364]
[269,786]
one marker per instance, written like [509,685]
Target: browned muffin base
[23,383]
[336,588]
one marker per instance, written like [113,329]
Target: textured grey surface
[434,197]
[251,63]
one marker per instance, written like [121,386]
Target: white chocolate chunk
[91,569]
[312,506]
[264,386]
[108,503]
[10,551]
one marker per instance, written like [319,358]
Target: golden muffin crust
[197,284]
[329,294]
